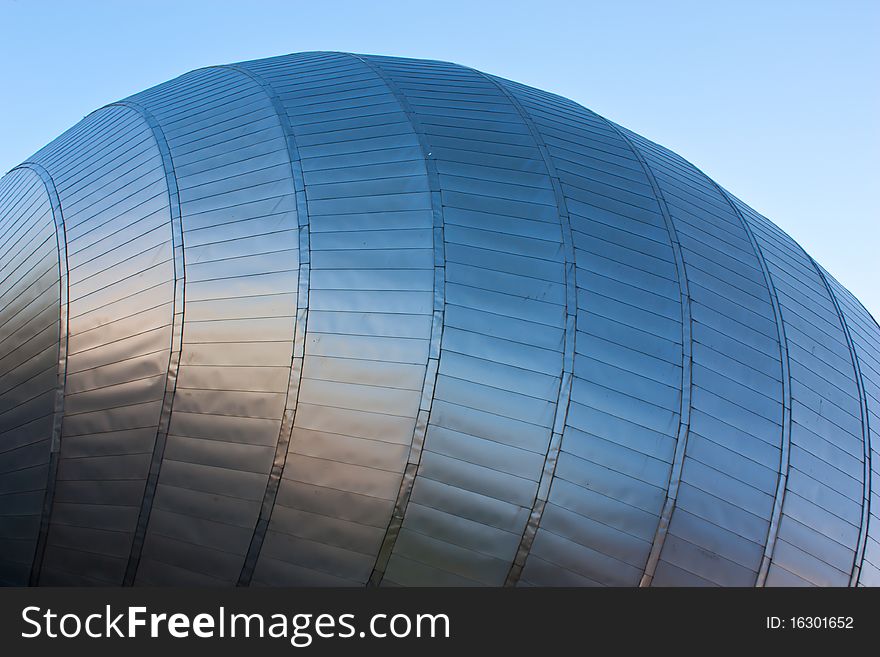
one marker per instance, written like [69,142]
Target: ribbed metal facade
[332,319]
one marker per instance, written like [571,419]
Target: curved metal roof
[341,319]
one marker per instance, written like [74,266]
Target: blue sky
[778,100]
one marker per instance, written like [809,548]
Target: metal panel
[111,185]
[862,333]
[241,253]
[733,293]
[626,402]
[33,344]
[484,439]
[371,305]
[818,523]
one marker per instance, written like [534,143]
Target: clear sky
[777,100]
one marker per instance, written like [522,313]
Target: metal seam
[859,555]
[686,366]
[173,367]
[294,382]
[563,396]
[61,369]
[785,448]
[866,512]
[432,366]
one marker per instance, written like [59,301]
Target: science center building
[333,319]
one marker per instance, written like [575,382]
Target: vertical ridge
[299,331]
[176,340]
[58,410]
[439,300]
[866,434]
[564,394]
[784,456]
[686,370]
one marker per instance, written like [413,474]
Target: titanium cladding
[334,319]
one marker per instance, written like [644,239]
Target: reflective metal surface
[332,319]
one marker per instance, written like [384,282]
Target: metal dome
[332,319]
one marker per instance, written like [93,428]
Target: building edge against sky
[333,319]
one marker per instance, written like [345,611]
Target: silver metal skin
[346,320]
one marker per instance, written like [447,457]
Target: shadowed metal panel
[501,352]
[822,507]
[785,376]
[723,509]
[624,415]
[31,285]
[111,183]
[551,458]
[866,342]
[241,253]
[369,326]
